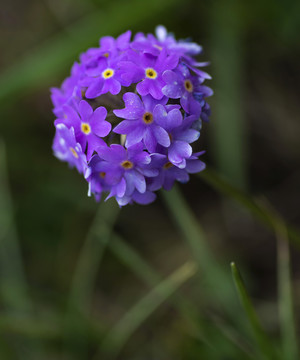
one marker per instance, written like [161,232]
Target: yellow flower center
[106,54]
[167,165]
[127,164]
[74,153]
[188,85]
[148,118]
[102,174]
[151,73]
[108,73]
[85,128]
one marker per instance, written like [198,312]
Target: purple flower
[153,45]
[143,199]
[126,168]
[182,85]
[95,175]
[103,78]
[66,148]
[169,173]
[142,121]
[89,125]
[149,69]
[109,48]
[129,112]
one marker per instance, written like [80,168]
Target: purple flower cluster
[126,116]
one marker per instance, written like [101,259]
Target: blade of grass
[285,297]
[133,319]
[55,55]
[263,342]
[84,278]
[254,206]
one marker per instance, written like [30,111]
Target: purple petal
[135,136]
[107,43]
[141,158]
[111,85]
[134,149]
[94,89]
[139,182]
[93,143]
[155,87]
[145,198]
[115,153]
[85,110]
[174,88]
[143,87]
[130,185]
[101,128]
[149,172]
[174,119]
[161,135]
[171,62]
[160,115]
[195,166]
[194,107]
[113,175]
[99,114]
[189,135]
[123,40]
[125,127]
[178,151]
[131,72]
[133,107]
[70,113]
[150,140]
[121,188]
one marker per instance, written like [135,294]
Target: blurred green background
[83,281]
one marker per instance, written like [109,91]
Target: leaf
[261,337]
[285,297]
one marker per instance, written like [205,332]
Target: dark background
[252,140]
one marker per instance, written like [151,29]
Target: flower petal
[161,136]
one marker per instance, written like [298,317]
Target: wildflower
[88,125]
[66,148]
[128,114]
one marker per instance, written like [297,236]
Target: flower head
[129,112]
